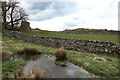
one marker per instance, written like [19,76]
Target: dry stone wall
[71,44]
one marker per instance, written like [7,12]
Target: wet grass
[105,69]
[102,37]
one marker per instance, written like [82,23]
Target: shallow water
[16,58]
[47,64]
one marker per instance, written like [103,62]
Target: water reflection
[47,64]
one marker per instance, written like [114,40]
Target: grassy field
[106,37]
[105,69]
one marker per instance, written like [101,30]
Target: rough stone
[71,44]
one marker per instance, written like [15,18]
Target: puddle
[16,58]
[23,58]
[47,64]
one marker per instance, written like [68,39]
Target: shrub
[6,55]
[60,55]
[29,51]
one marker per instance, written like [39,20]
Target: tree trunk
[4,11]
[11,15]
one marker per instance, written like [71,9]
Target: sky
[58,15]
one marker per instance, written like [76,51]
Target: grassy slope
[107,69]
[107,37]
[9,67]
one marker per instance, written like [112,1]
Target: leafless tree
[12,13]
[5,8]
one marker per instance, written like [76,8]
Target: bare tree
[12,13]
[17,16]
[5,8]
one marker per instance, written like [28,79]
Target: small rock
[98,59]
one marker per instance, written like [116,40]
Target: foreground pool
[47,64]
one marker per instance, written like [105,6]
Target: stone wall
[71,44]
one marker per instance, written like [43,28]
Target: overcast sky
[56,16]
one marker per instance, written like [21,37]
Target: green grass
[9,67]
[107,69]
[106,37]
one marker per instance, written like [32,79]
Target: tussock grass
[6,55]
[60,55]
[29,51]
[19,74]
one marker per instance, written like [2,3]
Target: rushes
[29,51]
[6,55]
[61,58]
[19,74]
[60,55]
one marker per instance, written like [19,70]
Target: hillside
[87,31]
[104,37]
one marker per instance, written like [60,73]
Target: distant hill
[86,31]
[36,29]
[103,37]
